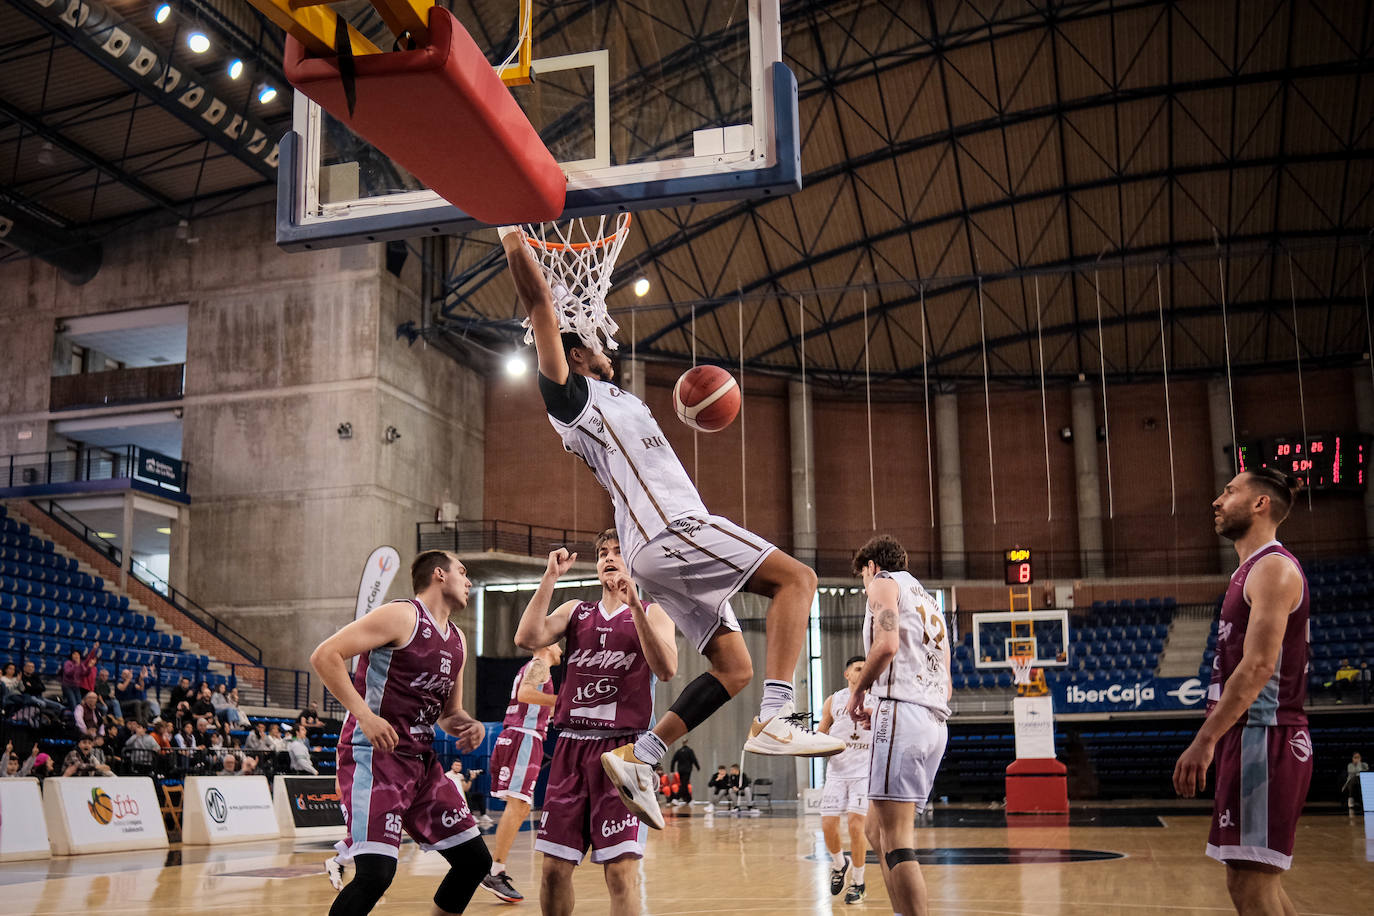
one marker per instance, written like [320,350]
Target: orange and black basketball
[101,807]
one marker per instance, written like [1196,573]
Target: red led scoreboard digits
[1016,566]
[1322,461]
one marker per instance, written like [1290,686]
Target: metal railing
[173,596]
[117,386]
[91,464]
[480,536]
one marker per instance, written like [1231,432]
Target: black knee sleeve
[372,875]
[700,700]
[898,856]
[468,864]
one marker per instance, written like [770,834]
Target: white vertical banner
[1034,722]
[378,572]
[23,831]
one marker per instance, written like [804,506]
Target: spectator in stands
[1366,681]
[277,742]
[186,738]
[257,738]
[182,716]
[228,766]
[73,672]
[182,691]
[89,721]
[298,746]
[33,681]
[227,707]
[141,750]
[9,764]
[1345,679]
[162,734]
[310,715]
[719,785]
[39,765]
[203,704]
[104,689]
[740,793]
[216,750]
[85,760]
[1351,787]
[10,681]
[132,694]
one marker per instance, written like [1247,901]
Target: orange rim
[579,246]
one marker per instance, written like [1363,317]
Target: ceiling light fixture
[515,365]
[642,287]
[198,42]
[266,94]
[107,535]
[164,531]
[235,68]
[45,156]
[162,13]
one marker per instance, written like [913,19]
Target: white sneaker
[780,738]
[710,808]
[334,869]
[636,782]
[485,822]
[678,803]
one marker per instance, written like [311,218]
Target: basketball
[706,398]
[102,809]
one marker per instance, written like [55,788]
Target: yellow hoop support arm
[518,73]
[403,16]
[312,26]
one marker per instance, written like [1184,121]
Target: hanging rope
[1226,341]
[987,400]
[696,457]
[1297,353]
[1044,406]
[925,388]
[868,407]
[806,403]
[1168,412]
[1106,421]
[743,461]
[1368,326]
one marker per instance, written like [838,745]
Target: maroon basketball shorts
[515,765]
[385,793]
[1263,772]
[582,808]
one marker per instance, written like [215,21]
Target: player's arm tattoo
[887,618]
[537,674]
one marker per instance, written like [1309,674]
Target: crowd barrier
[102,814]
[23,831]
[227,809]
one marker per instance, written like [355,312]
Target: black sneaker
[837,877]
[500,886]
[856,893]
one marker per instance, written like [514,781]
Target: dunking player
[616,647]
[846,785]
[690,561]
[907,670]
[1255,723]
[516,759]
[409,679]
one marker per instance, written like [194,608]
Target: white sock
[649,748]
[498,868]
[776,695]
[856,874]
[837,859]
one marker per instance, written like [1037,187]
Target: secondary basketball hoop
[577,258]
[1021,667]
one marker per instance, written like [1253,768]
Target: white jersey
[852,762]
[918,673]
[617,436]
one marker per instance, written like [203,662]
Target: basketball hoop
[1021,666]
[577,258]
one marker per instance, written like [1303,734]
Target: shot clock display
[1016,565]
[1324,461]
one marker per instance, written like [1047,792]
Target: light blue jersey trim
[360,803]
[1254,786]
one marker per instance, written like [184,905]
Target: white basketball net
[1021,667]
[577,258]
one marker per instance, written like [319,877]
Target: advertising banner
[308,806]
[102,814]
[378,572]
[23,832]
[1130,694]
[227,809]
[1033,718]
[161,469]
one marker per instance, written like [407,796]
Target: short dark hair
[570,340]
[603,538]
[852,659]
[885,551]
[422,567]
[1279,487]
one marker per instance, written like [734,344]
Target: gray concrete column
[126,540]
[632,376]
[1364,417]
[179,550]
[1223,456]
[949,486]
[803,437]
[1089,485]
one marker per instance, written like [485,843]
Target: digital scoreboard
[1322,461]
[1016,566]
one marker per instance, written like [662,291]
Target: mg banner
[227,809]
[378,572]
[1129,694]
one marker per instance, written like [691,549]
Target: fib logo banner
[98,814]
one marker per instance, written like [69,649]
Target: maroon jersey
[607,685]
[408,685]
[1281,700]
[531,717]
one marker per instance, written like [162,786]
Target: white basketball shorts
[694,567]
[908,742]
[843,795]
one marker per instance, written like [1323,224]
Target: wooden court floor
[767,866]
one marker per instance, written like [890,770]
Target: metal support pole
[1089,488]
[950,487]
[803,473]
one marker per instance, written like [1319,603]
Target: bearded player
[1256,728]
[516,759]
[409,679]
[616,647]
[691,561]
[846,785]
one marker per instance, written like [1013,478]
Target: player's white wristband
[503,231]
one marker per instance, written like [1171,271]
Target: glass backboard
[643,105]
[999,634]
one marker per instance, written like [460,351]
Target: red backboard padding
[443,114]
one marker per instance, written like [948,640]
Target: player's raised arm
[390,624]
[538,628]
[538,302]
